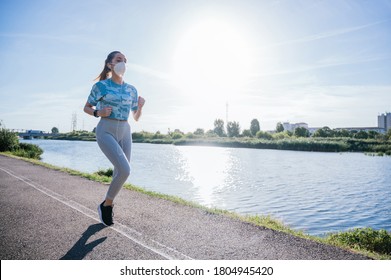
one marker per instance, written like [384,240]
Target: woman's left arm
[138,112]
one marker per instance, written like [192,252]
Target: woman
[112,100]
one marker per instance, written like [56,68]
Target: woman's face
[118,57]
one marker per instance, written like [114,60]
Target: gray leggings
[115,140]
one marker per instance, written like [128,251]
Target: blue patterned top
[122,98]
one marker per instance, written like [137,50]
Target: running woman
[112,100]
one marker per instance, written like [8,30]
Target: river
[310,191]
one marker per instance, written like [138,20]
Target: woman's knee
[124,171]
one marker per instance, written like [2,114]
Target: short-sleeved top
[122,98]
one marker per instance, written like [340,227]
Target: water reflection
[208,169]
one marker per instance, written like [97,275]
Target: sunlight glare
[208,179]
[212,58]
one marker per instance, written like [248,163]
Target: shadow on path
[81,248]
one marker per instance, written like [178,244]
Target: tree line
[233,129]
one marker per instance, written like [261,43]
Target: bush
[8,140]
[190,135]
[281,135]
[143,135]
[158,135]
[264,135]
[108,172]
[28,151]
[176,135]
[378,241]
[247,133]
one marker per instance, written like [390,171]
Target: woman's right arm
[89,109]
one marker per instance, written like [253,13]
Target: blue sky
[326,63]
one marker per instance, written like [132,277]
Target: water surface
[310,191]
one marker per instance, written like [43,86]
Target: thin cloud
[68,39]
[326,35]
[149,71]
[325,63]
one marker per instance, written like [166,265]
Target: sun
[213,57]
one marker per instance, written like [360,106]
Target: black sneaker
[106,214]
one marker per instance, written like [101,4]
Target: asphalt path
[47,214]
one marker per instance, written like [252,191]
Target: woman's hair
[106,70]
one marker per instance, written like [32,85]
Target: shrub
[378,241]
[8,140]
[190,135]
[264,135]
[281,135]
[144,135]
[108,172]
[158,135]
[28,151]
[176,135]
[247,133]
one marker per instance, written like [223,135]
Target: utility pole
[226,113]
[74,122]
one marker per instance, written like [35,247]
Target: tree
[373,134]
[176,135]
[8,140]
[361,135]
[219,127]
[211,133]
[388,135]
[247,133]
[264,135]
[199,131]
[178,131]
[324,132]
[282,135]
[343,133]
[158,135]
[55,130]
[233,129]
[279,127]
[255,127]
[301,132]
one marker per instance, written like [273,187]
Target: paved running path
[48,214]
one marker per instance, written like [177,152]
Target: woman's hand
[141,102]
[105,112]
[137,114]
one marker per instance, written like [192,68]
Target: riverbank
[267,222]
[310,144]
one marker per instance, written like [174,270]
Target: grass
[375,244]
[364,239]
[107,173]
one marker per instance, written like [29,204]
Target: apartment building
[292,126]
[384,121]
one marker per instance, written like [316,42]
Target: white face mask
[120,68]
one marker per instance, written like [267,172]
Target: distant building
[357,129]
[383,125]
[292,126]
[384,121]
